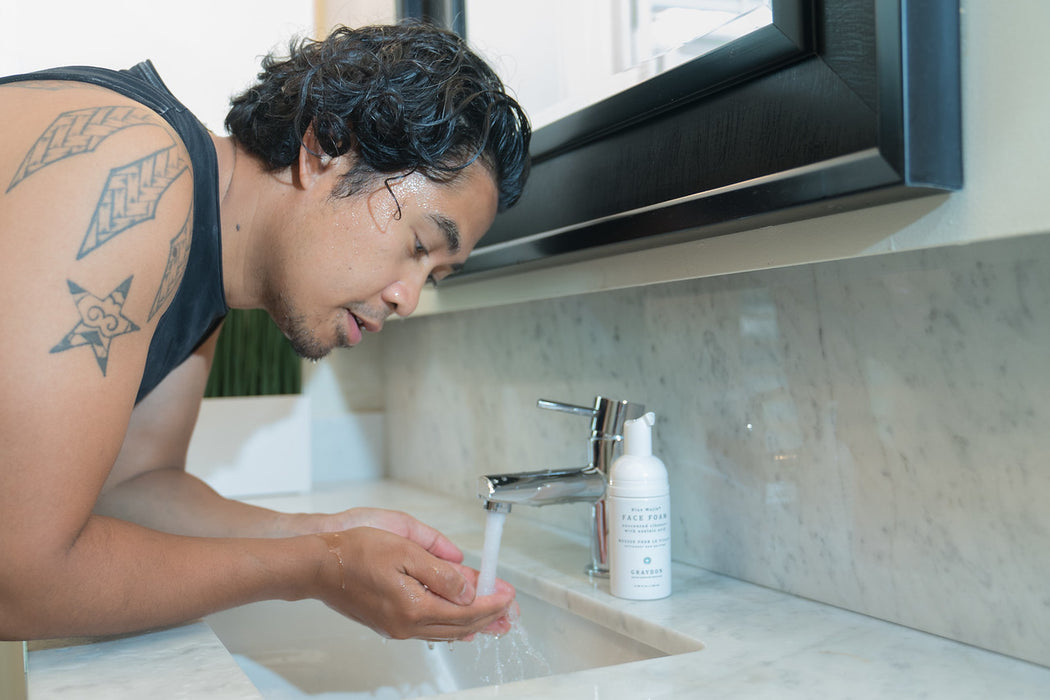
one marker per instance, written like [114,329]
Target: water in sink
[294,650]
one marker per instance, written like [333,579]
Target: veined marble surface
[756,642]
[179,662]
[868,433]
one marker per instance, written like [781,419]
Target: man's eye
[432,281]
[421,249]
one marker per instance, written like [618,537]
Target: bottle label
[640,553]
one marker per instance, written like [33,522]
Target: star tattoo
[101,320]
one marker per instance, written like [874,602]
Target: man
[359,168]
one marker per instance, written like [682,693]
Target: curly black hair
[402,98]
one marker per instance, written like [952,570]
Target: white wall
[249,446]
[205,50]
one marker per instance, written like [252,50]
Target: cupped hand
[394,585]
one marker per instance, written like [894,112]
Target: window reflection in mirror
[559,57]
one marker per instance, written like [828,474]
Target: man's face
[352,261]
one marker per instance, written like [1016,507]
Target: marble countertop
[756,642]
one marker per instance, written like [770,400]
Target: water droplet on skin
[332,540]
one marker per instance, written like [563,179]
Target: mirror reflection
[560,57]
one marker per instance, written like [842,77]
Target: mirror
[831,105]
[598,48]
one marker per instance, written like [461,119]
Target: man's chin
[308,347]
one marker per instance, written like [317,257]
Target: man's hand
[392,521]
[395,586]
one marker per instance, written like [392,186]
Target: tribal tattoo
[101,320]
[75,132]
[178,254]
[131,195]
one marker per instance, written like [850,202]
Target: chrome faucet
[582,484]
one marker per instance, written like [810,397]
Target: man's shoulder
[96,196]
[64,118]
[108,161]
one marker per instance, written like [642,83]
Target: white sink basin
[297,649]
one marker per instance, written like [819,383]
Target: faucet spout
[542,488]
[497,507]
[581,485]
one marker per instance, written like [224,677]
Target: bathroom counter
[187,661]
[756,641]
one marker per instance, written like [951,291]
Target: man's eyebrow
[450,229]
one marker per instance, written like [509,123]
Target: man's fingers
[433,541]
[443,578]
[448,627]
[402,524]
[398,588]
[469,614]
[500,586]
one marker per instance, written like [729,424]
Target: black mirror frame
[840,104]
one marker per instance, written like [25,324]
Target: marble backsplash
[870,433]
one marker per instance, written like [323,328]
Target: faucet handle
[566,408]
[607,415]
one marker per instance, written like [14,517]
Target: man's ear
[313,161]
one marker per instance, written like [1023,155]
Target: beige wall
[352,13]
[12,671]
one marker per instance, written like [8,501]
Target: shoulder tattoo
[101,320]
[131,195]
[178,254]
[75,132]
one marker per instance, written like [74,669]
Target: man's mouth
[354,329]
[367,324]
[364,324]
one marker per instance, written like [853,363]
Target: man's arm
[94,188]
[149,485]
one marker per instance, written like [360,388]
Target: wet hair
[401,98]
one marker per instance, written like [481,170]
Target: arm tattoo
[178,254]
[131,195]
[101,320]
[75,132]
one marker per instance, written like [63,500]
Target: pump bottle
[639,512]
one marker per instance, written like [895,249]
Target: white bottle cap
[638,435]
[637,472]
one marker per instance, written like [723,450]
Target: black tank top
[200,302]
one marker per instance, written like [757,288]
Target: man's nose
[402,297]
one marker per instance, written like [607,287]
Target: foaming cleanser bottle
[639,512]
